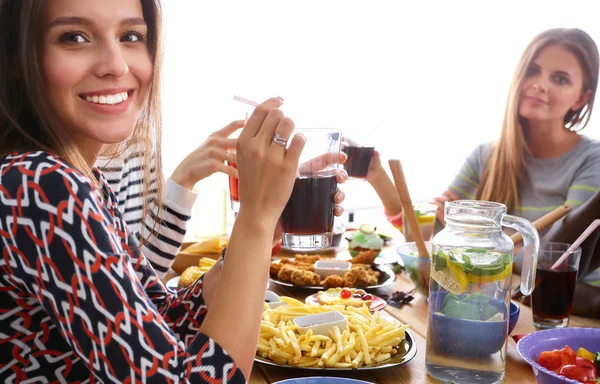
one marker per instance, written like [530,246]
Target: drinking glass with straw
[234,197]
[558,266]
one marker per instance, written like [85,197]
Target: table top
[415,314]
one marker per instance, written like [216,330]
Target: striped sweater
[125,177]
[571,178]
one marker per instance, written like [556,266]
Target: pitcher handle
[531,247]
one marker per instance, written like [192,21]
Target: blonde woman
[540,160]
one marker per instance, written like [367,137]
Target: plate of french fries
[370,341]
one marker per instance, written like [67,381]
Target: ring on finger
[280,140]
[230,157]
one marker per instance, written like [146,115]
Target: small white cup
[326,268]
[321,323]
[273,300]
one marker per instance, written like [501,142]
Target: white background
[433,75]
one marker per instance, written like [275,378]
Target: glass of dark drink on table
[552,298]
[307,219]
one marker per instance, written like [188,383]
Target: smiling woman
[79,298]
[89,64]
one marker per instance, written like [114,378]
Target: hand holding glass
[307,219]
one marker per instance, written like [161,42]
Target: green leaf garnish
[439,260]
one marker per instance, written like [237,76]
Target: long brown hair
[27,120]
[506,167]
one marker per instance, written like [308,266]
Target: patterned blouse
[78,301]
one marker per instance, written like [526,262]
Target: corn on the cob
[190,275]
[193,273]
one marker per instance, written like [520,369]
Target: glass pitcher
[469,291]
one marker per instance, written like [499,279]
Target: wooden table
[415,314]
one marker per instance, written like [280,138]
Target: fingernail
[280,98]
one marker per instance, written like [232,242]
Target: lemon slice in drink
[451,278]
[490,279]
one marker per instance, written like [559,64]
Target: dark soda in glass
[359,161]
[233,185]
[234,194]
[552,297]
[310,207]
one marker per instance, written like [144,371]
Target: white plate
[173,283]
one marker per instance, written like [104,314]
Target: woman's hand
[209,158]
[376,167]
[440,201]
[267,170]
[338,198]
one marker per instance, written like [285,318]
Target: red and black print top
[78,301]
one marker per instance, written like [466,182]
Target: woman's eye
[132,37]
[72,37]
[561,80]
[531,71]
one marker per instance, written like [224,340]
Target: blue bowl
[322,380]
[417,268]
[513,316]
[532,345]
[462,337]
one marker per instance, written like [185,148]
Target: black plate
[386,277]
[406,351]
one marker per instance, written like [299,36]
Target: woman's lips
[535,100]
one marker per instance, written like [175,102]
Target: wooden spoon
[407,206]
[545,221]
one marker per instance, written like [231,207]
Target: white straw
[245,101]
[595,224]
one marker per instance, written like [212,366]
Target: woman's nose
[112,61]
[539,87]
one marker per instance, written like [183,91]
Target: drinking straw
[370,136]
[595,224]
[245,101]
[407,205]
[544,221]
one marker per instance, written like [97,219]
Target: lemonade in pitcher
[469,291]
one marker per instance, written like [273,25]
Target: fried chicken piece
[365,257]
[285,273]
[299,265]
[304,278]
[359,277]
[333,281]
[307,259]
[275,268]
[363,266]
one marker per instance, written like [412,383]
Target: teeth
[108,99]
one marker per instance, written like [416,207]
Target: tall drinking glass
[234,195]
[307,219]
[552,298]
